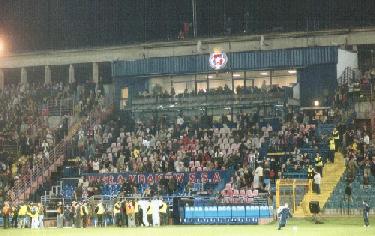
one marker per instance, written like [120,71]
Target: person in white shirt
[317,181]
[143,205]
[155,205]
[180,121]
[45,145]
[259,172]
[366,141]
[95,166]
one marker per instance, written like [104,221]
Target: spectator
[317,181]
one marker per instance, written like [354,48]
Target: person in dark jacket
[283,214]
[366,211]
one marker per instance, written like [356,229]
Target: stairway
[42,173]
[331,176]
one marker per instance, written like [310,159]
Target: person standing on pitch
[143,205]
[117,213]
[163,213]
[283,214]
[6,214]
[40,215]
[366,210]
[60,215]
[155,207]
[99,210]
[34,215]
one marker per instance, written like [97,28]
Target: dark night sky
[59,24]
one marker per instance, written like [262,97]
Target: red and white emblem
[218,60]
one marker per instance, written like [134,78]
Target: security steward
[22,215]
[319,164]
[117,213]
[84,214]
[310,172]
[163,210]
[99,210]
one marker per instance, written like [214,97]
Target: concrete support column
[95,72]
[72,78]
[2,79]
[23,76]
[47,75]
[271,78]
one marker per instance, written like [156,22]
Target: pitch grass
[296,227]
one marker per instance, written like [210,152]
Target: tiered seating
[325,129]
[68,191]
[311,152]
[360,193]
[111,190]
[238,196]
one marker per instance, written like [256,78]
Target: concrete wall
[342,37]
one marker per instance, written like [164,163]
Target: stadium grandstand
[246,120]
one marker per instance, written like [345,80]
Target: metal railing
[57,108]
[43,168]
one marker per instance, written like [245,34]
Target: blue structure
[316,69]
[225,214]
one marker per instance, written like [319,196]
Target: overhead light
[210,76]
[263,73]
[226,108]
[172,105]
[316,103]
[236,75]
[2,47]
[292,72]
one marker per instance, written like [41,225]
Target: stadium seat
[238,211]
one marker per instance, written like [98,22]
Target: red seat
[249,200]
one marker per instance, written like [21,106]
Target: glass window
[124,98]
[125,93]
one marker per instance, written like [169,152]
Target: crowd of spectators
[157,91]
[359,158]
[187,145]
[26,137]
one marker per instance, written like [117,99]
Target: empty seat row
[227,211]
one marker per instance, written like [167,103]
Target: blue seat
[210,211]
[189,212]
[224,211]
[252,211]
[238,211]
[198,212]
